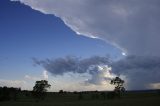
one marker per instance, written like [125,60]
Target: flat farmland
[87,99]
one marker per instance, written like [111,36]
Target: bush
[61,92]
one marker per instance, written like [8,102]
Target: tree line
[9,93]
[39,91]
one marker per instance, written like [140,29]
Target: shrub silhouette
[61,91]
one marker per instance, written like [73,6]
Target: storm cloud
[133,26]
[73,64]
[140,71]
[130,25]
[96,66]
[100,74]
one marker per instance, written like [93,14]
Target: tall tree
[40,89]
[119,88]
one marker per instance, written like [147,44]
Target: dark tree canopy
[40,88]
[118,82]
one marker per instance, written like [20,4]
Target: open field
[88,99]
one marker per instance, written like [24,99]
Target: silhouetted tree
[14,92]
[5,93]
[118,86]
[61,91]
[8,93]
[40,88]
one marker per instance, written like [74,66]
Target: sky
[80,44]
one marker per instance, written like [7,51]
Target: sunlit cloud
[130,25]
[45,75]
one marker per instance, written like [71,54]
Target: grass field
[88,99]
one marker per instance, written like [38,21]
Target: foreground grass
[129,99]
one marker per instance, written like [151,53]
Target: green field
[88,99]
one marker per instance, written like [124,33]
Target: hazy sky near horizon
[70,43]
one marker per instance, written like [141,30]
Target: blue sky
[67,42]
[26,33]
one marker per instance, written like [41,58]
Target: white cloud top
[131,25]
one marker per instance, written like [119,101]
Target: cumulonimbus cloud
[131,25]
[139,71]
[96,66]
[73,64]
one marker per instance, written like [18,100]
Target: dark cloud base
[140,71]
[73,64]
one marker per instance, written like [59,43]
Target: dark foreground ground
[141,98]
